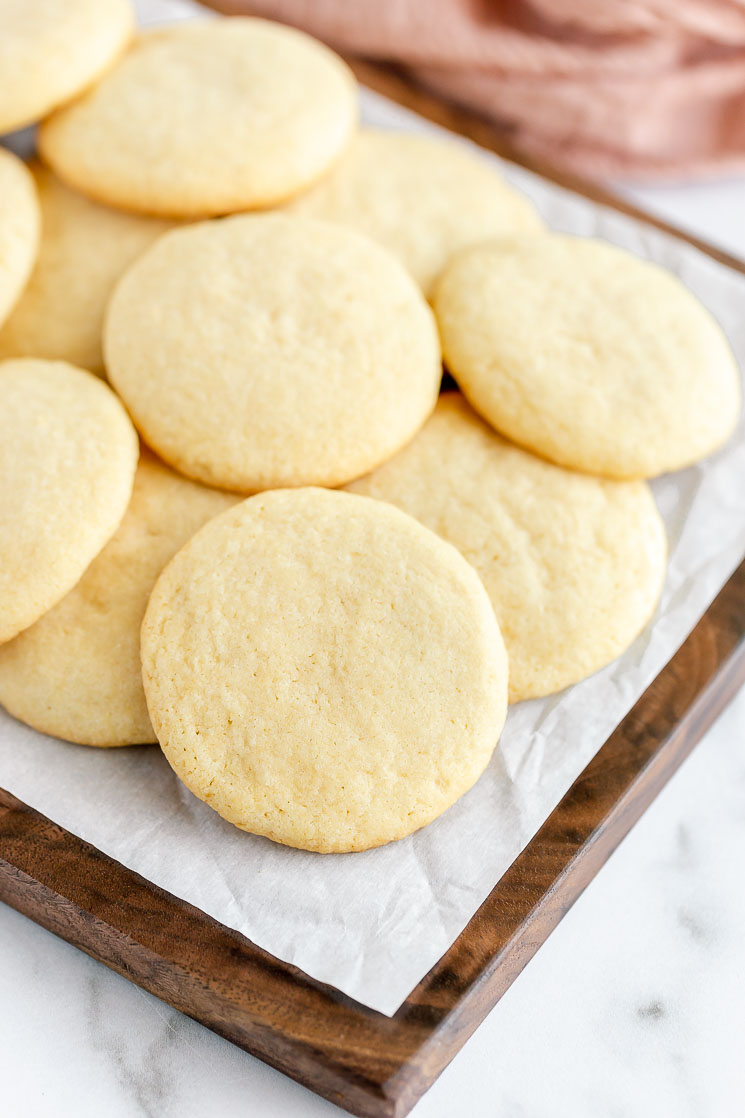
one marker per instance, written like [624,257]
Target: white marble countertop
[634,1008]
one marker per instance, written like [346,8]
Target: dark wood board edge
[375,1066]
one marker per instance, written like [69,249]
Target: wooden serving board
[377,1066]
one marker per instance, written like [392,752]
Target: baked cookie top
[76,672]
[587,355]
[19,229]
[68,454]
[50,51]
[322,670]
[207,118]
[263,351]
[422,198]
[84,250]
[573,564]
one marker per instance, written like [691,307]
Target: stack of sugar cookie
[316,582]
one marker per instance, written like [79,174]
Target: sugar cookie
[19,229]
[84,250]
[323,670]
[68,454]
[419,197]
[263,351]
[50,51]
[76,672]
[207,118]
[587,355]
[573,564]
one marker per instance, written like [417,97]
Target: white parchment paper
[373,924]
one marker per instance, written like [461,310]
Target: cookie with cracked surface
[207,118]
[422,198]
[75,673]
[264,351]
[573,564]
[68,454]
[587,355]
[323,670]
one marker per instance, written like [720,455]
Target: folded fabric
[644,89]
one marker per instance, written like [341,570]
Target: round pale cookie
[423,199]
[587,355]
[19,228]
[84,250]
[207,118]
[573,564]
[50,50]
[75,673]
[264,351]
[323,670]
[68,454]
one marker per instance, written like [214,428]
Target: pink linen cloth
[643,89]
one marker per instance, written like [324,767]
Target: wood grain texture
[375,1066]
